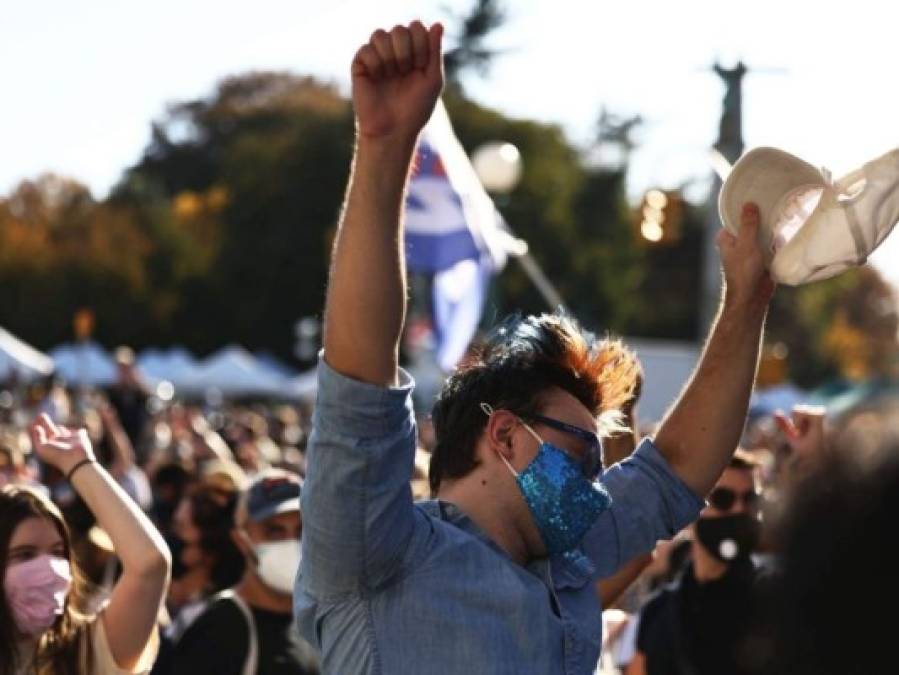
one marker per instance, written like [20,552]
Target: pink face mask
[36,592]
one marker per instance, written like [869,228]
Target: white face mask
[278,563]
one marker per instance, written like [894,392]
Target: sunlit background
[85,81]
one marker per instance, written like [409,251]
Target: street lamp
[498,165]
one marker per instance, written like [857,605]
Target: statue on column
[730,132]
[730,145]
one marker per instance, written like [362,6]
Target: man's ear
[499,430]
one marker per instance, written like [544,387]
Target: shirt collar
[569,570]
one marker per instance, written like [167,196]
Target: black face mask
[729,538]
[164,512]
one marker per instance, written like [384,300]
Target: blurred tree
[249,181]
[574,218]
[606,263]
[671,268]
[59,250]
[222,232]
[861,336]
[844,327]
[471,52]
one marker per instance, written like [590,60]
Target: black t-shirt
[130,403]
[689,628]
[218,643]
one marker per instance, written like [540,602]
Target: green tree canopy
[222,232]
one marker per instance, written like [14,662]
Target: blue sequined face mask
[563,502]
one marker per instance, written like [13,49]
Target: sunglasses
[591,462]
[723,498]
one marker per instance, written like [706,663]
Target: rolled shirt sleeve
[649,502]
[358,514]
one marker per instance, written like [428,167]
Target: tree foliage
[253,177]
[222,232]
[471,51]
[844,327]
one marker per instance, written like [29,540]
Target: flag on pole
[453,235]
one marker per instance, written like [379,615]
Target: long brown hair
[60,649]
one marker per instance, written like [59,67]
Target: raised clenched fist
[397,78]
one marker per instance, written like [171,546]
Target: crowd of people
[783,563]
[525,526]
[206,499]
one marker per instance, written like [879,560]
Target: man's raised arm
[701,432]
[397,78]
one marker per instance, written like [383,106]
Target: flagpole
[498,167]
[540,280]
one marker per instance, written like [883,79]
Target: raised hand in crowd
[60,446]
[129,618]
[700,434]
[397,78]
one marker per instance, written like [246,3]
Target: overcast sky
[83,80]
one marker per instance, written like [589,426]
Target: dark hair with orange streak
[512,369]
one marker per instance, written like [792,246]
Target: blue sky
[83,80]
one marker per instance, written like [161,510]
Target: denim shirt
[389,586]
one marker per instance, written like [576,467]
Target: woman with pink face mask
[44,627]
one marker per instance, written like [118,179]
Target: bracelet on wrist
[83,462]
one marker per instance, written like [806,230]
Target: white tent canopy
[272,364]
[177,365]
[231,371]
[235,371]
[21,360]
[85,363]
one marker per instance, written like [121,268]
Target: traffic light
[659,216]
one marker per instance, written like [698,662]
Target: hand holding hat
[746,280]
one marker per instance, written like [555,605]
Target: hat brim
[276,509]
[763,176]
